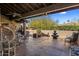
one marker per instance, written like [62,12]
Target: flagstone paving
[43,46]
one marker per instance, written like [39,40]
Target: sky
[65,15]
[62,17]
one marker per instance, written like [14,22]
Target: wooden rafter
[30,6]
[44,5]
[17,8]
[7,7]
[10,7]
[25,7]
[20,7]
[51,8]
[3,9]
[36,5]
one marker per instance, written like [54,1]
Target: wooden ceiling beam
[51,8]
[11,8]
[44,5]
[14,8]
[18,7]
[7,7]
[30,6]
[36,5]
[24,6]
[3,9]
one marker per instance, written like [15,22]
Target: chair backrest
[75,36]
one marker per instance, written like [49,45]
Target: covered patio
[14,14]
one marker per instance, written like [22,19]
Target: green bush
[68,27]
[47,24]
